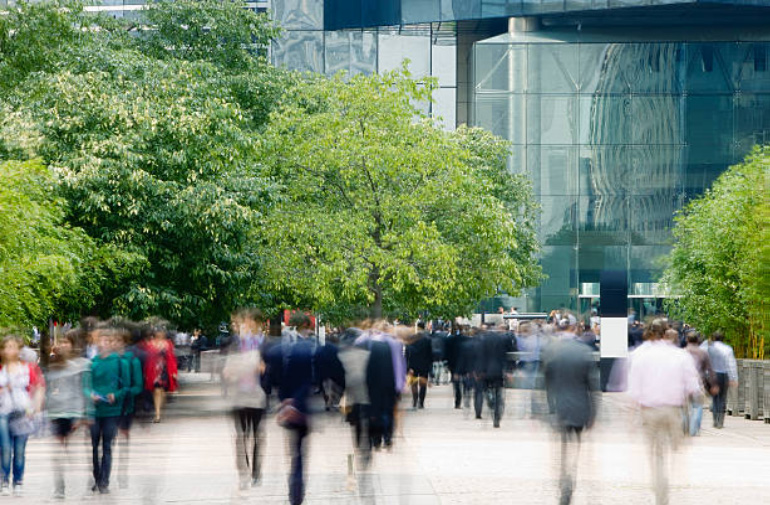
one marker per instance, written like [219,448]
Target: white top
[14,394]
[662,375]
[242,371]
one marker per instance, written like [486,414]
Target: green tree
[44,263]
[719,264]
[153,138]
[382,209]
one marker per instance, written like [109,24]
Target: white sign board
[614,337]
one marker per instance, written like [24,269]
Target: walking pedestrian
[22,389]
[571,383]
[454,349]
[494,348]
[419,362]
[706,373]
[160,368]
[109,386]
[661,380]
[133,389]
[726,375]
[243,369]
[69,375]
[355,361]
[295,386]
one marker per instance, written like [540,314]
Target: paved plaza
[441,456]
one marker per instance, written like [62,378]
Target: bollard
[752,390]
[766,406]
[740,391]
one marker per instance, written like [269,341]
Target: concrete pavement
[441,456]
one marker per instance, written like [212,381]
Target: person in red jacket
[160,368]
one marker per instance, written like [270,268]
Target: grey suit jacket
[571,382]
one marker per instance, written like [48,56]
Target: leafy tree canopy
[44,263]
[382,209]
[719,264]
[153,138]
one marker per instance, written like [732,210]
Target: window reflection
[618,136]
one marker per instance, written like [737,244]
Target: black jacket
[495,346]
[419,355]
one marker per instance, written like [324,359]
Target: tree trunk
[375,311]
[275,324]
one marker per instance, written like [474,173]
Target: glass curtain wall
[617,135]
[430,48]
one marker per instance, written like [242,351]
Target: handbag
[20,424]
[289,416]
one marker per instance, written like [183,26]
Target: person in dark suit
[571,382]
[419,362]
[292,365]
[492,361]
[454,347]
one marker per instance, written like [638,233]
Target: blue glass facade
[617,130]
[368,13]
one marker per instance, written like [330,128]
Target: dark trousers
[570,449]
[495,389]
[457,387]
[104,430]
[297,476]
[381,429]
[247,438]
[719,401]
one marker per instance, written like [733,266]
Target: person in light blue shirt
[726,371]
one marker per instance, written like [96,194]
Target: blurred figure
[571,383]
[198,344]
[242,371]
[706,374]
[726,374]
[22,389]
[419,362]
[295,386]
[331,374]
[385,379]
[160,369]
[529,344]
[438,336]
[661,380]
[134,387]
[109,387]
[68,377]
[355,360]
[466,367]
[454,347]
[490,372]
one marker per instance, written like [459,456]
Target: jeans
[297,475]
[12,448]
[104,430]
[696,415]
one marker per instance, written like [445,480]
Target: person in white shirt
[726,375]
[661,380]
[242,371]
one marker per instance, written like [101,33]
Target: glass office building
[620,111]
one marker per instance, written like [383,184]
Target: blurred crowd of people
[96,378]
[100,375]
